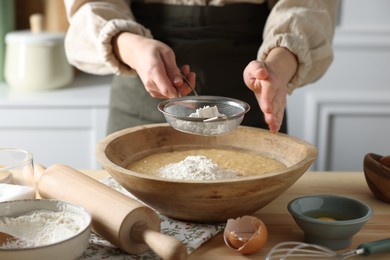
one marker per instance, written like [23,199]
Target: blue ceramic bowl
[329,220]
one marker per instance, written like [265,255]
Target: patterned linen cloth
[192,235]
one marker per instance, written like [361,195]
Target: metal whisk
[299,250]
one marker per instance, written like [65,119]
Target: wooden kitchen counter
[281,226]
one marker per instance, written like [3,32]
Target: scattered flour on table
[40,227]
[196,168]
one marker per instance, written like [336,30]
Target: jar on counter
[36,60]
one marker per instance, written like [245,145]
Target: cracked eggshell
[246,234]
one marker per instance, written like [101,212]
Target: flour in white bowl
[40,227]
[196,168]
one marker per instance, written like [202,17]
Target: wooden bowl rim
[105,161]
[372,165]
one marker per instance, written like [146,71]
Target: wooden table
[281,226]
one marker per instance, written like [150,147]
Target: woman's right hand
[155,63]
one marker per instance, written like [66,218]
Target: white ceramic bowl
[70,248]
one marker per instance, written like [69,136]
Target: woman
[272,47]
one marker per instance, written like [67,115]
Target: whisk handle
[375,247]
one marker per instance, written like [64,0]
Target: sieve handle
[375,247]
[188,83]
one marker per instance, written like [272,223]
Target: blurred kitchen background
[346,114]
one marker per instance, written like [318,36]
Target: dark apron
[217,43]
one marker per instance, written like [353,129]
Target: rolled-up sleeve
[306,28]
[92,25]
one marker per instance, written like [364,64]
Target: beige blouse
[305,27]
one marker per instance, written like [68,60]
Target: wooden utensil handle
[165,246]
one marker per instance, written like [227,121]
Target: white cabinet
[57,126]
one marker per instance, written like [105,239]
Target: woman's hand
[155,63]
[268,80]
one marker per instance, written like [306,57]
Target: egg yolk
[327,218]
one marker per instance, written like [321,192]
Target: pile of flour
[40,227]
[196,168]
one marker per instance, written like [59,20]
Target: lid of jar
[27,37]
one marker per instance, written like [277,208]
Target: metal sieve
[177,113]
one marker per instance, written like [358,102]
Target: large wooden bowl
[204,201]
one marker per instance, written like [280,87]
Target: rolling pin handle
[168,248]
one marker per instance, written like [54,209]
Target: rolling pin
[119,219]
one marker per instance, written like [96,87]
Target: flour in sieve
[40,227]
[207,112]
[196,168]
[203,128]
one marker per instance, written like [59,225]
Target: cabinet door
[55,135]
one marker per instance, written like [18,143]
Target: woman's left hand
[268,80]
